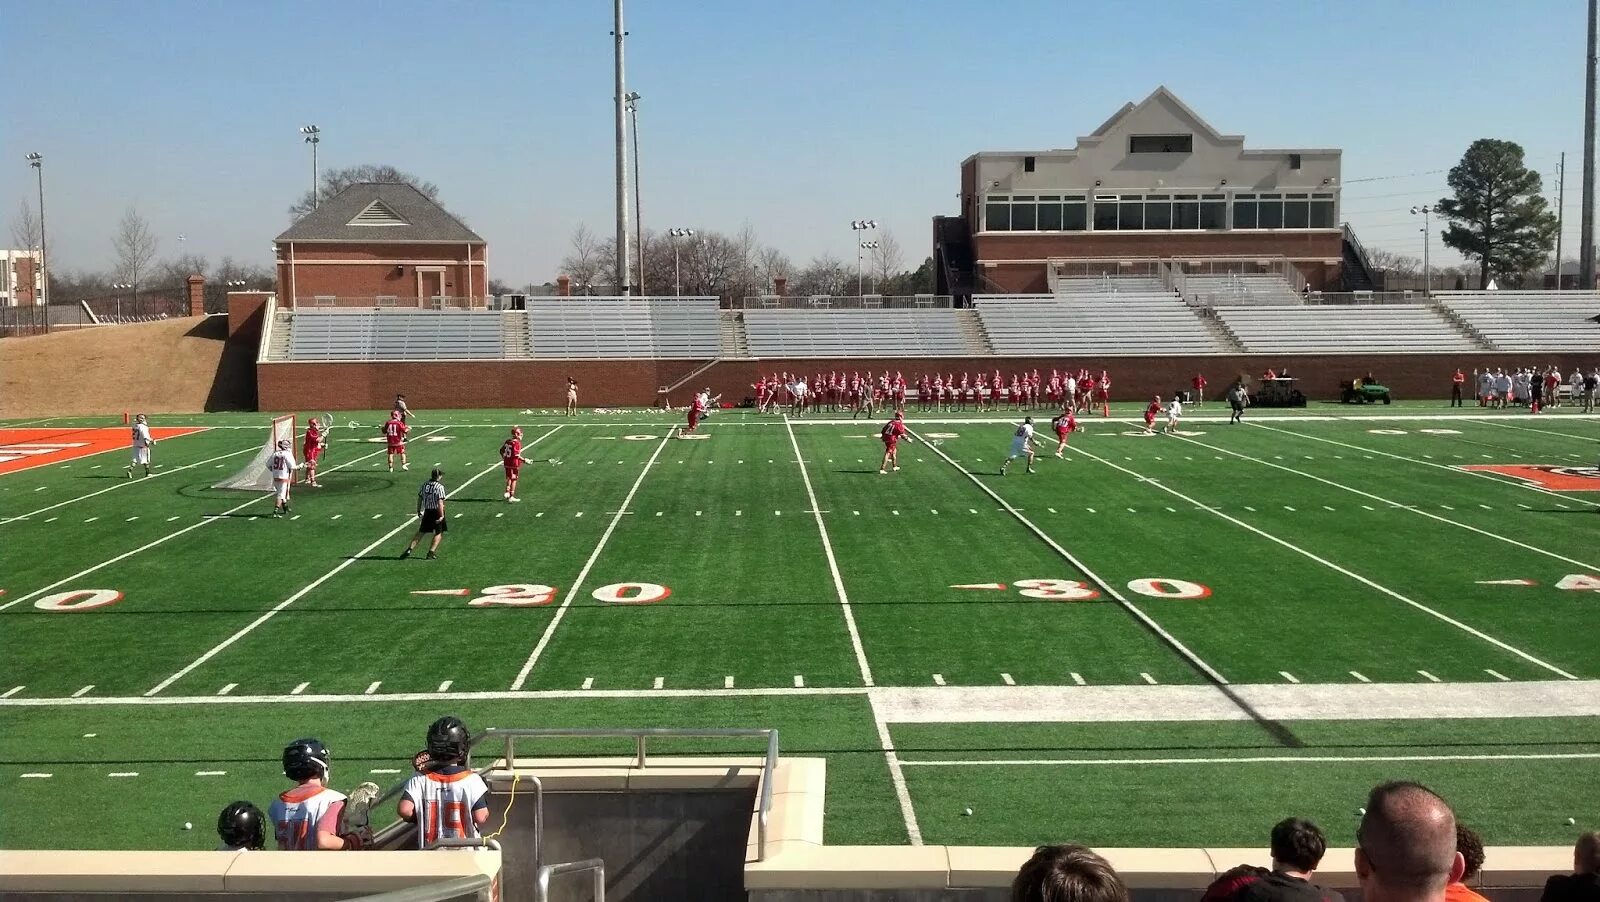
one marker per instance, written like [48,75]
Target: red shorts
[512,466]
[311,454]
[889,444]
[1149,418]
[694,418]
[1061,433]
[397,447]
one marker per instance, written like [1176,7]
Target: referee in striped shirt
[430,508]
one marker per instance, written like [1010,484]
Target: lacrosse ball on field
[188,826]
[1571,822]
[966,812]
[1361,811]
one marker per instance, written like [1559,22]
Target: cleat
[897,469]
[506,495]
[433,555]
[514,499]
[130,471]
[405,554]
[883,472]
[405,466]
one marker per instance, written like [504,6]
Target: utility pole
[1586,252]
[638,186]
[624,256]
[37,162]
[1561,195]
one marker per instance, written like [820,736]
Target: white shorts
[141,456]
[1172,421]
[1018,449]
[280,486]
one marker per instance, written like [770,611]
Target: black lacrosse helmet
[305,758]
[242,825]
[447,740]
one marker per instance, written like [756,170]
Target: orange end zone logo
[1547,476]
[24,449]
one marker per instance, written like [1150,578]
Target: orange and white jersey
[295,815]
[445,801]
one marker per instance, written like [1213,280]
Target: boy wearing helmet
[511,457]
[309,816]
[892,432]
[1021,445]
[1150,411]
[142,443]
[282,466]
[394,431]
[241,827]
[444,798]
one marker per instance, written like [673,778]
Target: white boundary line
[833,564]
[1395,504]
[1492,477]
[577,583]
[1255,759]
[206,520]
[897,776]
[122,484]
[408,523]
[1581,438]
[1141,616]
[1331,565]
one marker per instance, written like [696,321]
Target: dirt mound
[174,366]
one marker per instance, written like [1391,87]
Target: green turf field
[1236,623]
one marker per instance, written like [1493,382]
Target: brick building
[377,244]
[20,278]
[1154,181]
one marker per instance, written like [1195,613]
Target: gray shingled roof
[425,220]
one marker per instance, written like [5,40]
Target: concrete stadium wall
[618,383]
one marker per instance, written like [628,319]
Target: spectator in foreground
[1470,845]
[1067,873]
[1583,884]
[1297,849]
[1406,845]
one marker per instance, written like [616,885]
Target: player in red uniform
[1064,424]
[892,432]
[1199,384]
[311,451]
[1103,393]
[697,409]
[511,457]
[1150,412]
[395,431]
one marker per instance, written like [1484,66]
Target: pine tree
[1497,216]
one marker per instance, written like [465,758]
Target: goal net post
[253,476]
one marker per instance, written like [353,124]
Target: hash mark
[799,681]
[12,691]
[377,516]
[1050,509]
[1006,678]
[1326,508]
[1249,508]
[1172,510]
[131,519]
[82,692]
[972,510]
[1288,676]
[1429,677]
[727,682]
[90,735]
[1078,678]
[1497,675]
[373,688]
[1288,508]
[938,679]
[335,516]
[538,515]
[1369,507]
[1148,678]
[227,689]
[588,683]
[660,683]
[54,519]
[738,513]
[1132,511]
[1485,507]
[697,513]
[1447,507]
[1090,509]
[36,776]
[299,689]
[1359,677]
[499,515]
[383,770]
[91,519]
[445,686]
[124,773]
[211,773]
[658,513]
[895,512]
[295,517]
[577,515]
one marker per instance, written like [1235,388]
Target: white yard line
[833,563]
[1334,567]
[1141,616]
[1581,438]
[204,521]
[1481,474]
[280,606]
[125,483]
[1255,759]
[897,776]
[577,584]
[1401,506]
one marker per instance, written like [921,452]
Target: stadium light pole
[871,246]
[638,186]
[36,160]
[677,283]
[119,288]
[1427,242]
[313,137]
[624,257]
[1586,239]
[860,226]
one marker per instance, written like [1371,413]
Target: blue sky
[792,117]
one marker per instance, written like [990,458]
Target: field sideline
[1259,620]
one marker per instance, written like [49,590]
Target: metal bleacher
[612,327]
[1241,289]
[340,334]
[1345,329]
[1097,316]
[1529,320]
[855,333]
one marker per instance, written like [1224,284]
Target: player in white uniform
[142,443]
[444,798]
[306,818]
[1021,445]
[1174,411]
[282,466]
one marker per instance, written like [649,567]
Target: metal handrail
[433,892]
[541,891]
[641,737]
[465,842]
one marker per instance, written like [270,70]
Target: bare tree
[582,263]
[826,274]
[135,245]
[336,180]
[886,260]
[25,229]
[174,273]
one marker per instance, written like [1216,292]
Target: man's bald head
[1408,838]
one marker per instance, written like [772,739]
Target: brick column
[197,294]
[780,286]
[564,286]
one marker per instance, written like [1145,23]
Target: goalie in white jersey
[282,466]
[142,443]
[444,798]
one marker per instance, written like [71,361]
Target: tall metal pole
[638,186]
[1586,252]
[1427,244]
[624,255]
[37,162]
[1561,195]
[313,137]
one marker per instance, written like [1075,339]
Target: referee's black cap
[436,474]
